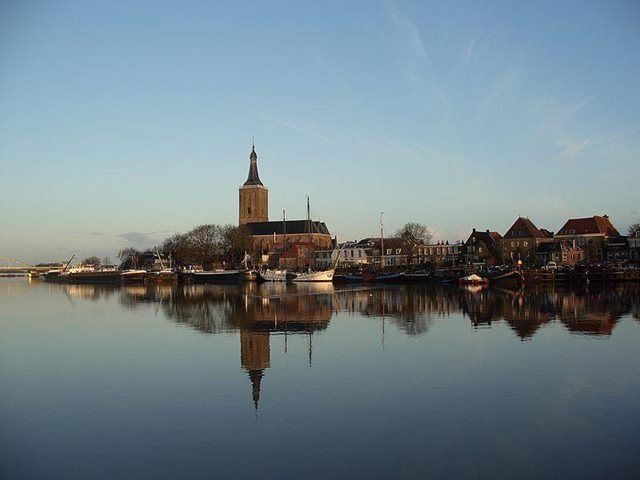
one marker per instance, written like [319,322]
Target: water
[317,382]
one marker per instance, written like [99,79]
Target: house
[561,252]
[634,246]
[522,240]
[352,254]
[482,247]
[438,254]
[617,248]
[591,234]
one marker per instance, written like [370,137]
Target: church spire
[256,377]
[253,178]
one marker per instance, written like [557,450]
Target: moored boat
[162,276]
[274,275]
[311,276]
[133,276]
[52,275]
[473,279]
[216,276]
[389,278]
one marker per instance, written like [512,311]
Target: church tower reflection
[255,357]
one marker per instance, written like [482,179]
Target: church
[303,237]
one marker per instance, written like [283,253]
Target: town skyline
[451,116]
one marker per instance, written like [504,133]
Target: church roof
[294,227]
[253,178]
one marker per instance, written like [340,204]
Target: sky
[124,122]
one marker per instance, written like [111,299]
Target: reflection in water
[308,308]
[259,311]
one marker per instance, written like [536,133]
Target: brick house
[522,240]
[591,234]
[562,252]
[483,247]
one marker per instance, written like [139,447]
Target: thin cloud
[409,31]
[142,239]
[294,127]
[471,48]
[73,232]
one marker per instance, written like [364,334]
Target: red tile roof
[588,226]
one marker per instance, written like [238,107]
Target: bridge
[21,267]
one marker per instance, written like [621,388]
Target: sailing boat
[313,276]
[275,274]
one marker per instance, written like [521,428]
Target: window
[249,210]
[388,251]
[518,243]
[397,251]
[513,244]
[480,249]
[590,241]
[525,243]
[581,241]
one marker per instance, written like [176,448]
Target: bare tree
[235,242]
[93,260]
[412,235]
[633,229]
[127,257]
[206,242]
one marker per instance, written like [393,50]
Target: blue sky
[123,122]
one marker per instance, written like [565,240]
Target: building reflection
[258,312]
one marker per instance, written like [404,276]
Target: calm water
[318,382]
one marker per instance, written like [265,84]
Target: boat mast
[382,240]
[284,228]
[309,231]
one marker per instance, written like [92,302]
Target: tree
[235,242]
[179,247]
[413,234]
[633,229]
[106,261]
[127,257]
[93,260]
[206,243]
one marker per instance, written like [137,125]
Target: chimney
[487,230]
[474,230]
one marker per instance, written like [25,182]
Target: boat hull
[224,276]
[111,277]
[274,276]
[133,277]
[324,276]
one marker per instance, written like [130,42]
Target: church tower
[254,196]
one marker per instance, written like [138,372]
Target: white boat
[322,276]
[133,275]
[313,276]
[274,275]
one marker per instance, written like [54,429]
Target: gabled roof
[524,228]
[294,227]
[490,239]
[556,246]
[588,226]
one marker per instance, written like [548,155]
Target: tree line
[208,245]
